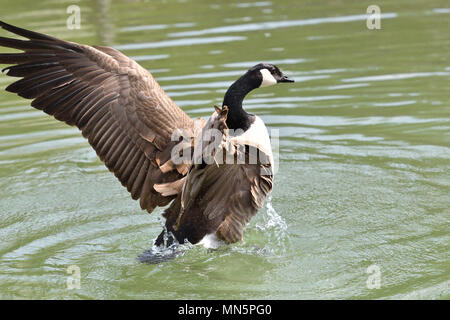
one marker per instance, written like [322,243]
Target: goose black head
[267,74]
[260,75]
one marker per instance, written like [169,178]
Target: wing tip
[24,32]
[3,24]
[7,26]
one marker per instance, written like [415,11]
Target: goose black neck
[237,117]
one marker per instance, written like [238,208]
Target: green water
[363,178]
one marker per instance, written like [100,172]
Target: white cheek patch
[267,78]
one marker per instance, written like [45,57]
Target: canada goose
[130,122]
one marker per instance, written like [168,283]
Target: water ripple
[277,24]
[178,42]
[397,76]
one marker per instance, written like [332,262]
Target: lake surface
[360,205]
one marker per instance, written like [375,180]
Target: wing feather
[118,106]
[227,195]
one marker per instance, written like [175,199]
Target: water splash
[158,254]
[273,219]
[168,250]
[275,229]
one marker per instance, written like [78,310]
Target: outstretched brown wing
[119,107]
